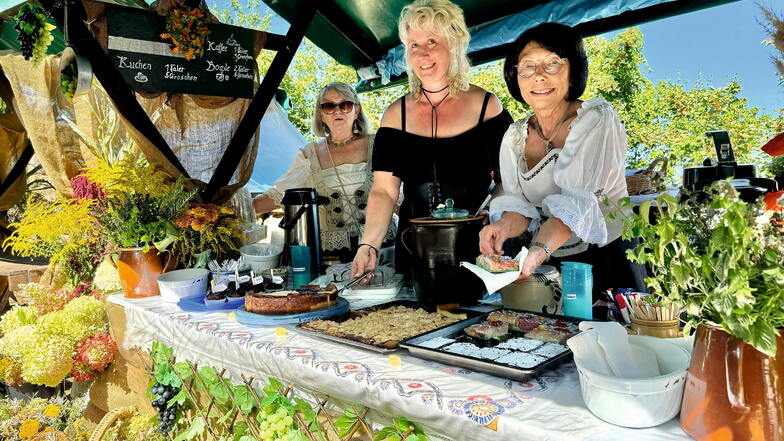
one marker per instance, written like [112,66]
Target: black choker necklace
[434,91]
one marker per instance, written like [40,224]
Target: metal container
[541,292]
[437,248]
[301,223]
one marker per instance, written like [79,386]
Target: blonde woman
[441,140]
[337,166]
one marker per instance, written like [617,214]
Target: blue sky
[713,45]
[716,45]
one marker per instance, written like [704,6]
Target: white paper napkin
[495,281]
[624,359]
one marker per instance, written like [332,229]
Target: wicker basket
[649,180]
[108,421]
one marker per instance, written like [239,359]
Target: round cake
[307,298]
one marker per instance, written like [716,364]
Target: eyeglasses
[551,66]
[344,106]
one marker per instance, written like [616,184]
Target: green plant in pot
[723,260]
[141,205]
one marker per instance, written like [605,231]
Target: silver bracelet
[543,246]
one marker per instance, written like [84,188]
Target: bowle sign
[147,64]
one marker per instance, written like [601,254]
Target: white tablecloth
[448,402]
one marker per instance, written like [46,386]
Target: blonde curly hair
[444,18]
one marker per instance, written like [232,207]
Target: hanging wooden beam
[123,98]
[258,106]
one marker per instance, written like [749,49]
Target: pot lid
[449,211]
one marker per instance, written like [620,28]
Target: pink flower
[83,188]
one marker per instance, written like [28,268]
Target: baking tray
[477,364]
[351,342]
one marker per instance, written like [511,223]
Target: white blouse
[569,183]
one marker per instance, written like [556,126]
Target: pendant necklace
[435,187]
[549,141]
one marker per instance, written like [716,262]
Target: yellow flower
[29,428]
[52,411]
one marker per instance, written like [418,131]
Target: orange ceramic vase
[139,271]
[733,392]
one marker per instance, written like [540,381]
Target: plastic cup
[577,290]
[300,265]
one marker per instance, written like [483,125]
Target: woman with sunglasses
[560,164]
[441,140]
[337,166]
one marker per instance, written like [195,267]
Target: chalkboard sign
[147,64]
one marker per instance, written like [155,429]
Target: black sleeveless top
[433,169]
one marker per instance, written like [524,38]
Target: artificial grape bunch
[275,426]
[167,415]
[68,81]
[35,34]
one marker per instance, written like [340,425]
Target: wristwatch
[543,246]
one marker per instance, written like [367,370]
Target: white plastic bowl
[261,256]
[639,402]
[177,284]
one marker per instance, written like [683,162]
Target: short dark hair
[558,38]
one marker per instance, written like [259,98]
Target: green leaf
[414,437]
[269,399]
[196,428]
[180,398]
[402,424]
[763,337]
[183,370]
[346,422]
[386,434]
[244,399]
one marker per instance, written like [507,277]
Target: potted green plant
[140,225]
[723,261]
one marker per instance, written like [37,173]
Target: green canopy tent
[363,33]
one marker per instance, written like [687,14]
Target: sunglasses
[551,66]
[344,106]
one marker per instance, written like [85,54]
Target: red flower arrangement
[187,29]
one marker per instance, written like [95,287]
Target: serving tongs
[355,281]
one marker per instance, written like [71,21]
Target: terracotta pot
[139,271]
[733,392]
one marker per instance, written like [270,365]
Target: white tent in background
[279,143]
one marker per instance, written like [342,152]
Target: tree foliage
[668,118]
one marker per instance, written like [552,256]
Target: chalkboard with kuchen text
[147,64]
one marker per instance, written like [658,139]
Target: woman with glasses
[441,140]
[560,164]
[337,166]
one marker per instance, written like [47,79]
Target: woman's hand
[536,256]
[493,236]
[364,260]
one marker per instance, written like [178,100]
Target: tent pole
[261,100]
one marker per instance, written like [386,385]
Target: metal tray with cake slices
[389,345]
[513,356]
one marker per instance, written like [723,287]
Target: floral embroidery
[483,409]
[359,372]
[478,408]
[427,391]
